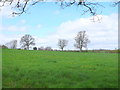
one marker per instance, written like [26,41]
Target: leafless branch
[21,5]
[116,3]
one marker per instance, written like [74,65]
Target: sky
[47,22]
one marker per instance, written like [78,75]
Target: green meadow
[57,69]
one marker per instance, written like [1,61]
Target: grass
[54,69]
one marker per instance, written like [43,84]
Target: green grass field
[55,69]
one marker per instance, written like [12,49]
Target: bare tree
[26,41]
[12,44]
[3,46]
[62,43]
[48,48]
[41,48]
[81,40]
[20,6]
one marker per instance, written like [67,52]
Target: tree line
[81,40]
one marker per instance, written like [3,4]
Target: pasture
[55,69]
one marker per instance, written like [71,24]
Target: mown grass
[54,69]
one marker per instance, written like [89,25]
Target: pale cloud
[6,11]
[1,27]
[18,26]
[57,12]
[7,38]
[101,35]
[13,28]
[23,21]
[38,26]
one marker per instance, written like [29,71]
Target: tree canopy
[26,41]
[81,40]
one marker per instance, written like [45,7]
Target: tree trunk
[80,49]
[27,47]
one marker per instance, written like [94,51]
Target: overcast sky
[47,23]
